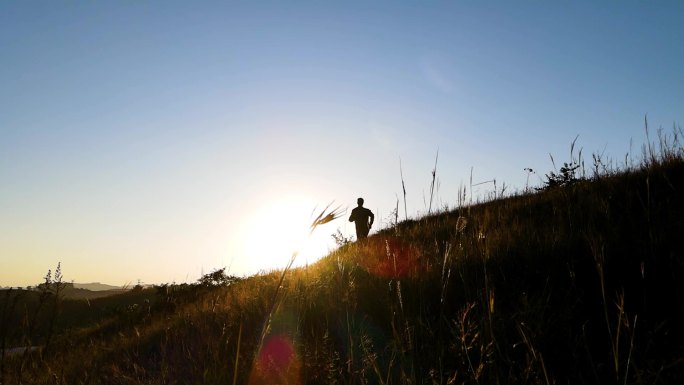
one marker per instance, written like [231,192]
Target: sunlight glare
[277,230]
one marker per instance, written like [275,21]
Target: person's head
[360,201]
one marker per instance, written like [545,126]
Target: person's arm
[372,218]
[351,217]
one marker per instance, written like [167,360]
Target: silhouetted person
[363,218]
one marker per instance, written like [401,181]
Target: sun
[276,230]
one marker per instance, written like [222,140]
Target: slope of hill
[580,283]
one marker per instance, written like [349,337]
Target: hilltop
[580,282]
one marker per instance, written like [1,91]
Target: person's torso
[361,215]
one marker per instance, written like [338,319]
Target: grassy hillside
[28,316]
[578,283]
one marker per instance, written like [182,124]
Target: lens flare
[277,362]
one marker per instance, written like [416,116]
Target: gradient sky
[156,140]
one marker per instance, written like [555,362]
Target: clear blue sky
[156,140]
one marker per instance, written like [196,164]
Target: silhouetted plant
[566,177]
[217,277]
[56,287]
[568,174]
[340,239]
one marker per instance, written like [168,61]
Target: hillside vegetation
[580,282]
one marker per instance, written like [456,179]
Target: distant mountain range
[79,290]
[93,286]
[96,286]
